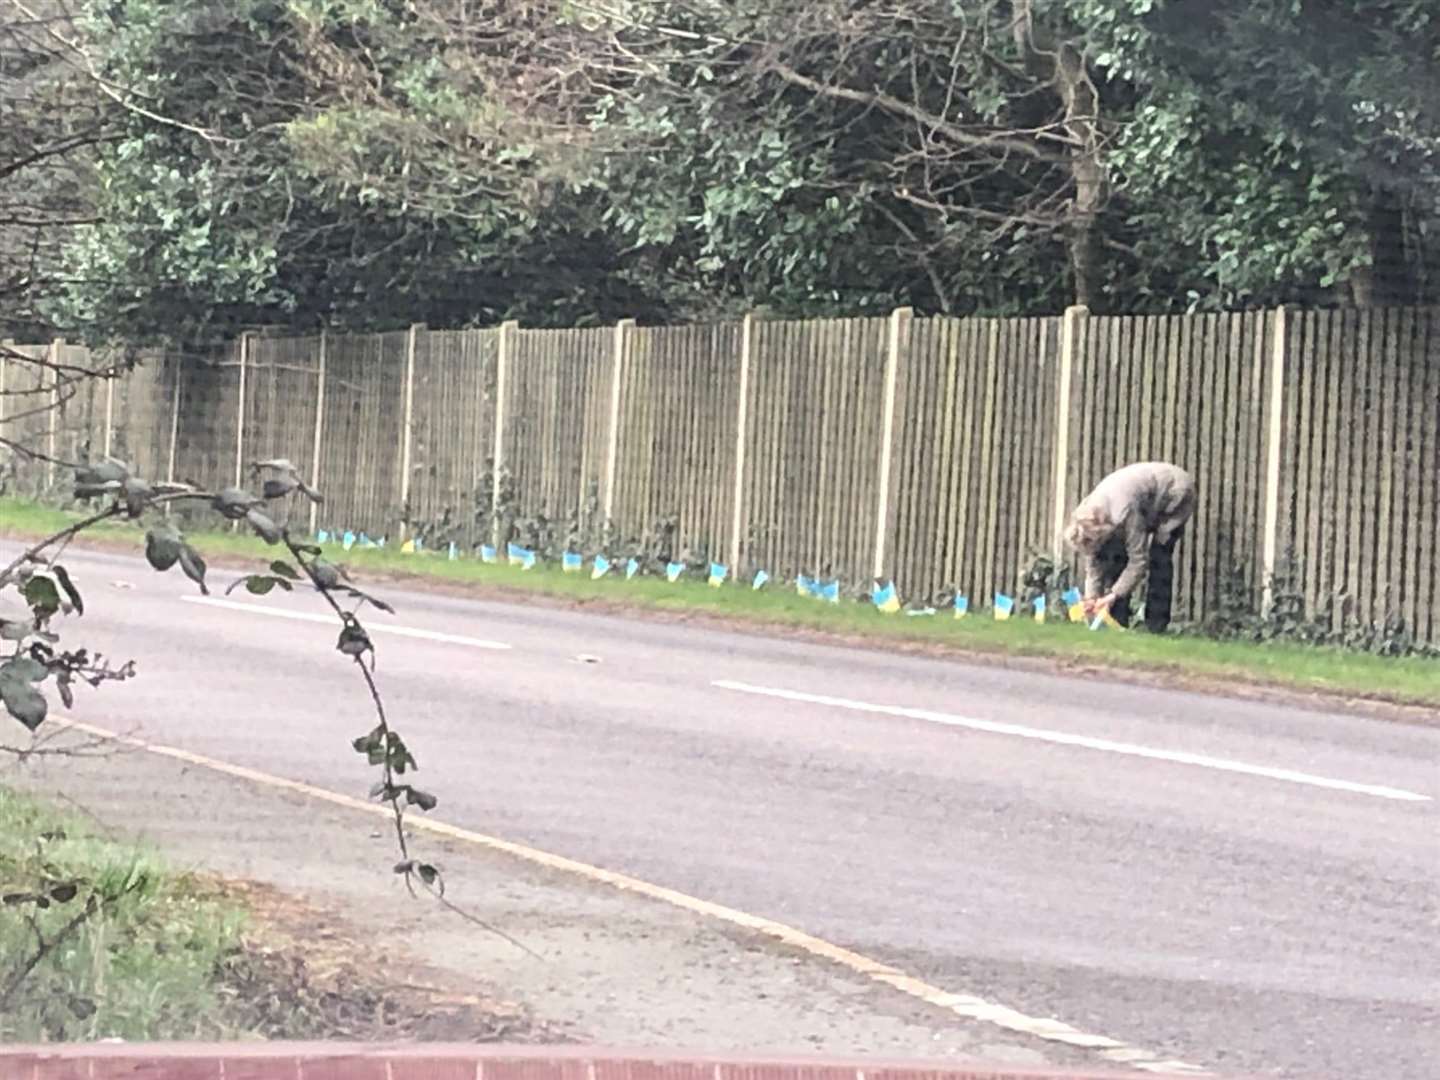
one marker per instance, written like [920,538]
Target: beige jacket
[1145,501]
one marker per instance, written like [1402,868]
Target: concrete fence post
[896,342]
[504,355]
[1070,329]
[174,424]
[319,430]
[407,423]
[1274,446]
[612,443]
[240,411]
[109,411]
[742,424]
[52,430]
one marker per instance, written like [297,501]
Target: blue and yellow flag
[673,571]
[407,548]
[527,561]
[515,554]
[572,562]
[632,568]
[488,554]
[349,540]
[1074,604]
[600,569]
[1103,618]
[829,592]
[718,573]
[804,586]
[962,606]
[322,537]
[886,598]
[761,577]
[1004,605]
[1040,608]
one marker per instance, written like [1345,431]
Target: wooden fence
[940,452]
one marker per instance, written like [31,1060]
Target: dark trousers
[1159,581]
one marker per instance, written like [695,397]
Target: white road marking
[371,627]
[965,1005]
[1066,739]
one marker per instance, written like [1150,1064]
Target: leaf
[91,491]
[63,577]
[422,799]
[264,526]
[326,574]
[278,489]
[366,598]
[20,697]
[194,567]
[136,493]
[365,743]
[162,546]
[353,640]
[67,693]
[284,569]
[63,894]
[234,503]
[260,584]
[43,595]
[430,876]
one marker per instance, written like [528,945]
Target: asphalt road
[1252,888]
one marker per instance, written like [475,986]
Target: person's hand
[1093,606]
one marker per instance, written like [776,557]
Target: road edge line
[962,1005]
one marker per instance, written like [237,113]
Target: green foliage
[369,164]
[97,940]
[1290,618]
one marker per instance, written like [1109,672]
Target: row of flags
[885,598]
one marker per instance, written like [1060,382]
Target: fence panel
[976,457]
[452,453]
[676,447]
[556,414]
[1361,476]
[812,467]
[1191,390]
[281,381]
[360,459]
[141,410]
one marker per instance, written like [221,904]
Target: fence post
[742,424]
[406,422]
[240,419]
[504,348]
[53,427]
[896,341]
[109,410]
[612,448]
[319,428]
[1275,433]
[1069,332]
[174,424]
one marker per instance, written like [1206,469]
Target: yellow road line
[964,1005]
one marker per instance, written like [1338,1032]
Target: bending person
[1126,529]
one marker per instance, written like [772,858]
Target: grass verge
[139,952]
[99,940]
[1181,658]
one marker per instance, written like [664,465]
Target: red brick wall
[341,1061]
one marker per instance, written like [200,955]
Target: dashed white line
[1064,738]
[371,626]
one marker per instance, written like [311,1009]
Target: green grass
[144,964]
[1409,680]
